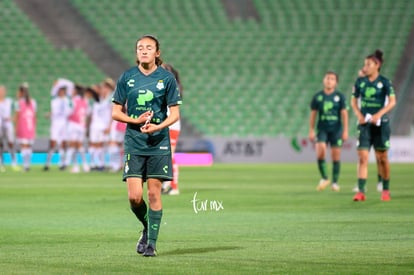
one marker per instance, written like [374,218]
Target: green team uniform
[147,155]
[373,97]
[329,126]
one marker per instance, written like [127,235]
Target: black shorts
[145,167]
[372,135]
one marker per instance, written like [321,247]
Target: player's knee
[153,196]
[135,200]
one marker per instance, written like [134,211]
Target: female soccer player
[25,123]
[171,187]
[77,130]
[7,128]
[330,107]
[374,129]
[147,90]
[60,109]
[100,126]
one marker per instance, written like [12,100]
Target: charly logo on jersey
[336,98]
[319,98]
[131,83]
[160,84]
[380,85]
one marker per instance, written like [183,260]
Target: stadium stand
[26,55]
[242,77]
[256,78]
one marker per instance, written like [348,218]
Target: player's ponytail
[377,57]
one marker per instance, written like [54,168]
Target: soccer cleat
[142,242]
[46,168]
[335,187]
[62,168]
[379,186]
[75,169]
[86,168]
[150,251]
[385,196]
[359,196]
[2,169]
[16,168]
[323,183]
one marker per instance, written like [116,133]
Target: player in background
[7,135]
[374,130]
[100,126]
[147,90]
[26,109]
[60,109]
[332,128]
[77,131]
[116,144]
[171,187]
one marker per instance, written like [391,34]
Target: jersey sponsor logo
[160,84]
[370,92]
[144,96]
[327,106]
[131,83]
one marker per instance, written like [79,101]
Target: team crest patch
[380,85]
[160,84]
[336,98]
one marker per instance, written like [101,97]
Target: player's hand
[361,119]
[344,136]
[375,119]
[312,135]
[150,128]
[147,116]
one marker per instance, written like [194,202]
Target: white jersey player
[7,135]
[99,128]
[60,110]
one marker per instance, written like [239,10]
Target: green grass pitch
[258,219]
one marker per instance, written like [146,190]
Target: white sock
[82,154]
[49,156]
[99,157]
[92,152]
[114,157]
[27,157]
[70,154]
[62,159]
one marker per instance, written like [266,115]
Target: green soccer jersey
[329,109]
[141,93]
[373,95]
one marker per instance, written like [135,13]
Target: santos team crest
[160,84]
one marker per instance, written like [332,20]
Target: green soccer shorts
[333,138]
[372,135]
[145,167]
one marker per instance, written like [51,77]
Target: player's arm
[173,117]
[344,119]
[119,115]
[312,119]
[357,111]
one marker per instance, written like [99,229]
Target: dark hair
[333,73]
[24,89]
[377,57]
[171,69]
[94,93]
[158,60]
[80,90]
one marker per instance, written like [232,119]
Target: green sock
[386,184]
[322,168]
[379,178]
[361,185]
[336,168]
[141,213]
[154,223]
